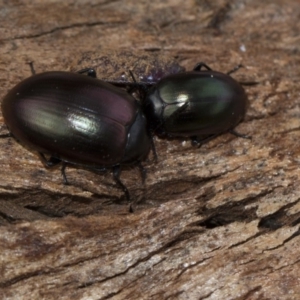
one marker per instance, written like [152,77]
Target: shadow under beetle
[200,104]
[77,120]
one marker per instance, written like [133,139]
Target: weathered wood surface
[219,222]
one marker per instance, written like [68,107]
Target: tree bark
[216,222]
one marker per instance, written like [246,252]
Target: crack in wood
[22,277]
[208,295]
[245,241]
[279,218]
[251,293]
[192,265]
[138,262]
[61,28]
[295,234]
[171,296]
[287,266]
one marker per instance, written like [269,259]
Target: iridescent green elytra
[195,104]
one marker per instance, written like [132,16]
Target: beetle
[200,104]
[78,120]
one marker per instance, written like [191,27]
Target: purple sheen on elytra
[73,117]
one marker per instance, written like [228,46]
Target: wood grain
[218,222]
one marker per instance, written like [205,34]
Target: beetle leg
[241,135]
[153,147]
[89,72]
[116,176]
[31,68]
[198,142]
[151,136]
[143,172]
[235,69]
[131,210]
[247,83]
[63,173]
[52,162]
[200,65]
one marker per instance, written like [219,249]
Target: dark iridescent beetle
[200,104]
[78,120]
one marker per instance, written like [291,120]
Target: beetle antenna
[140,86]
[132,76]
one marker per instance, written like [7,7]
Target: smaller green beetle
[199,104]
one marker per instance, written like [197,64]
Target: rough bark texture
[219,222]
